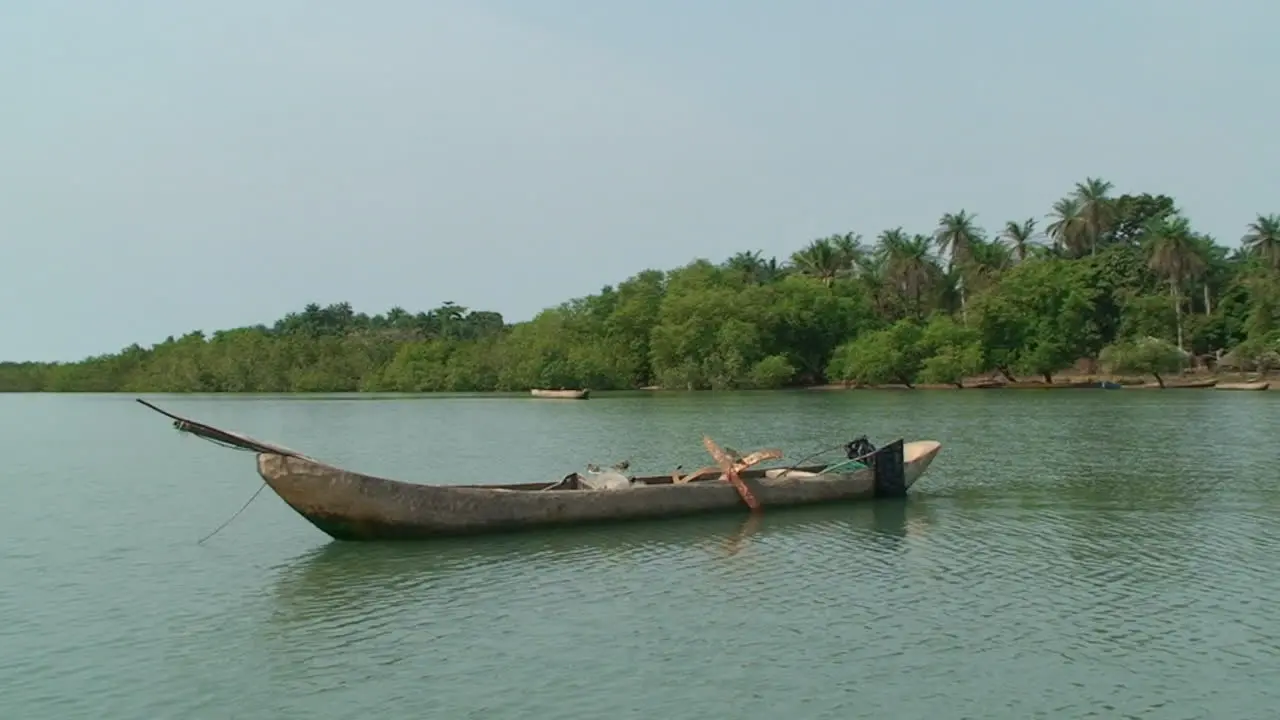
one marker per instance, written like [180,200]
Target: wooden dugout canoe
[353,506]
[1180,385]
[1036,385]
[561,394]
[1262,385]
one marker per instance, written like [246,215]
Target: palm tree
[828,258]
[988,260]
[819,259]
[748,265]
[850,248]
[908,265]
[1174,255]
[1021,236]
[1066,226]
[772,270]
[1215,271]
[1096,210]
[875,281]
[1263,240]
[949,289]
[956,235]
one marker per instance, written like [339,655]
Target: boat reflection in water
[345,579]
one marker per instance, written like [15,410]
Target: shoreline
[1198,381]
[1189,381]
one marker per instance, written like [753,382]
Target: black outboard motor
[859,448]
[886,463]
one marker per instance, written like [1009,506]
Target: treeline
[1126,278]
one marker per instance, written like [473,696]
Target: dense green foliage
[1141,356]
[906,308]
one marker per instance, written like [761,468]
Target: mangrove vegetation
[1122,280]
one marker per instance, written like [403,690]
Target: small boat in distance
[1260,385]
[561,394]
[1036,385]
[352,506]
[1180,385]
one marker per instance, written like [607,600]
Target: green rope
[843,466]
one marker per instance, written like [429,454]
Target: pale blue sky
[166,166]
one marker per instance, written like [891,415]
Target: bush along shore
[1123,284]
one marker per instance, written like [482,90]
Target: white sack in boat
[607,480]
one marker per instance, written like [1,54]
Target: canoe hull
[352,506]
[1034,385]
[1184,385]
[561,394]
[1255,386]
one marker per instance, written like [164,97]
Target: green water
[1074,554]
